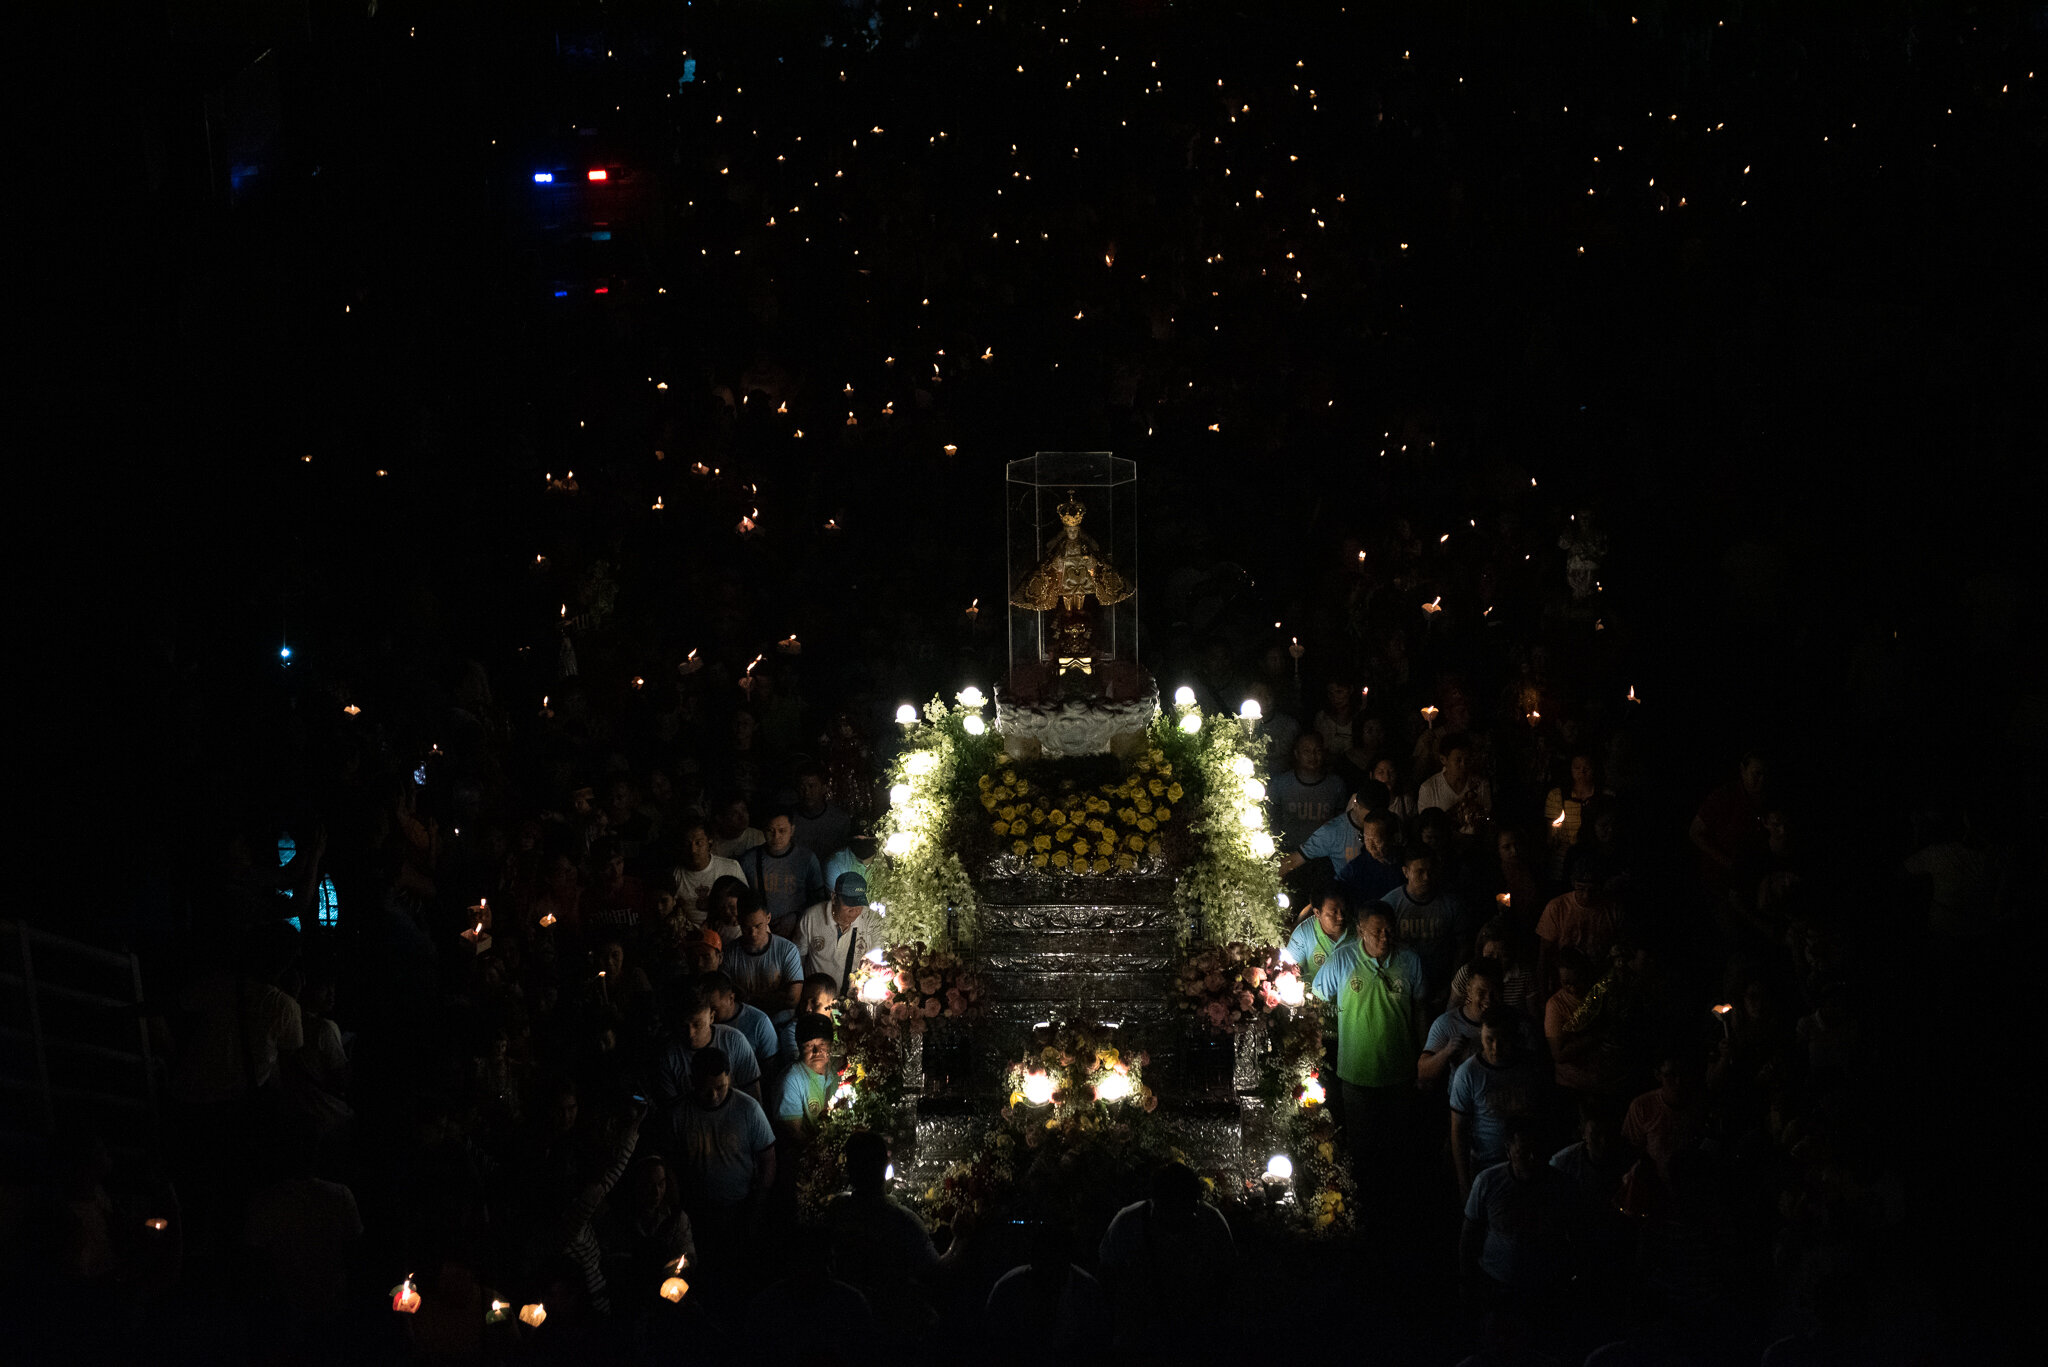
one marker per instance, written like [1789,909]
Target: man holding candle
[1457,789]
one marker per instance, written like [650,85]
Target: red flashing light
[598,174]
[602,289]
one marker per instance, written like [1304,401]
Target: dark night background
[1805,403]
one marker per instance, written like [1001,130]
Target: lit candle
[691,664]
[1506,899]
[533,1314]
[159,1224]
[1429,715]
[1434,607]
[789,645]
[405,1297]
[674,1289]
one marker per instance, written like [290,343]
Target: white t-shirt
[1436,792]
[303,1227]
[693,890]
[739,844]
[823,944]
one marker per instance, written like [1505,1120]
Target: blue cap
[852,889]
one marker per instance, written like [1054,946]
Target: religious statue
[1073,571]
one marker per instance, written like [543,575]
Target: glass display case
[1073,575]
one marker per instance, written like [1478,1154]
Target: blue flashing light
[604,236]
[543,177]
[285,653]
[689,71]
[561,294]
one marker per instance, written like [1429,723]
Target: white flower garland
[1233,886]
[918,875]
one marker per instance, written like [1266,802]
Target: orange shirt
[1585,926]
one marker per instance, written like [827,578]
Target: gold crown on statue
[1072,511]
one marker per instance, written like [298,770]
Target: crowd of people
[560,1043]
[494,953]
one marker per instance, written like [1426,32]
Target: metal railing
[67,1010]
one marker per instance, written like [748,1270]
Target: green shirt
[1377,1043]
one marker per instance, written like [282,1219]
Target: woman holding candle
[645,1230]
[1565,809]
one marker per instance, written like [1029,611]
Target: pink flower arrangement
[1228,986]
[922,985]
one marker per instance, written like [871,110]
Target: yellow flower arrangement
[1112,828]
